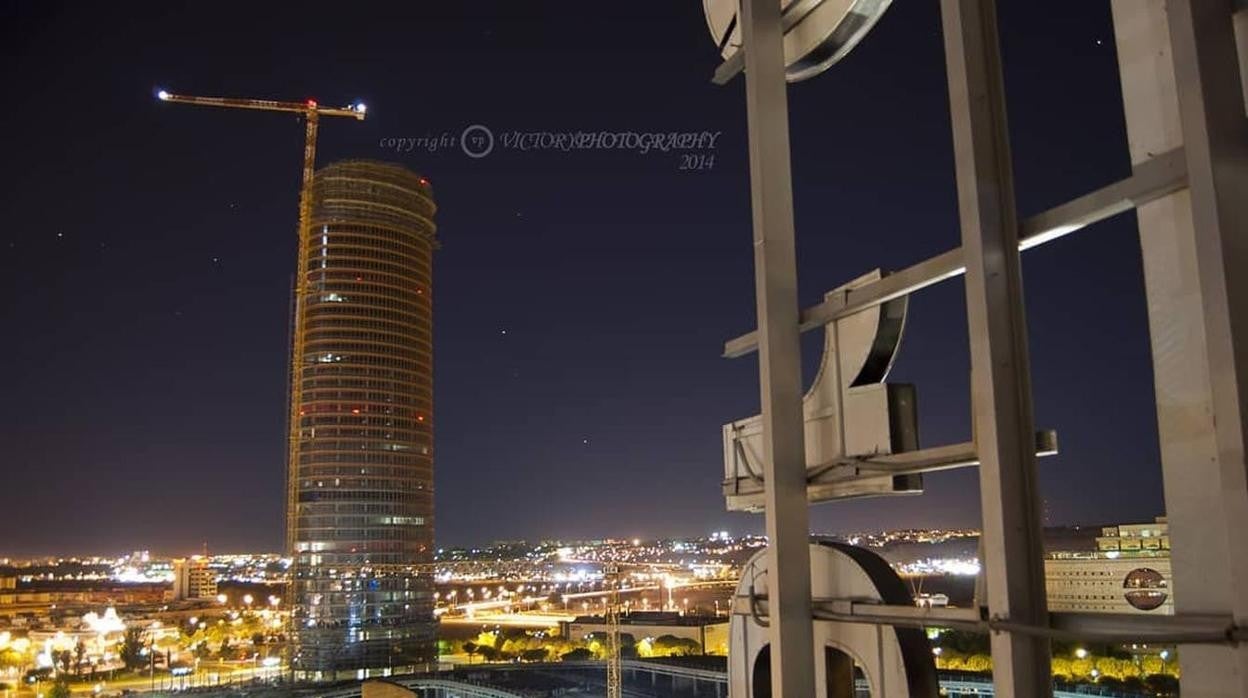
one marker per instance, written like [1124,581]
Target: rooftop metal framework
[1182,79]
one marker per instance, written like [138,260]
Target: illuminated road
[474,607]
[210,674]
[519,620]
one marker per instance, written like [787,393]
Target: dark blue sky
[147,248]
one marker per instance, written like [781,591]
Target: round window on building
[1145,588]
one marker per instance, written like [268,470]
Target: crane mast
[615,686]
[311,111]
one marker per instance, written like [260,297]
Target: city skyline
[581,341]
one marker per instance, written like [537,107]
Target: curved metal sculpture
[818,33]
[851,414]
[891,662]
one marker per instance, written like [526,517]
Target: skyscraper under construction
[360,475]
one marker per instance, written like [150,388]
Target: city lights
[225,314]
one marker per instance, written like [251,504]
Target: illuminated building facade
[1128,573]
[193,579]
[360,497]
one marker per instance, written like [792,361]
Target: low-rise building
[193,579]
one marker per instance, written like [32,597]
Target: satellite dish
[817,33]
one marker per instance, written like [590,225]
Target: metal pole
[1000,371]
[775,284]
[1180,86]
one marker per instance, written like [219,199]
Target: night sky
[582,298]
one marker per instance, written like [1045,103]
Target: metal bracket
[836,479]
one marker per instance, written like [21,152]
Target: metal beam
[1150,180]
[1215,138]
[780,379]
[1000,370]
[1143,627]
[729,69]
[848,472]
[945,457]
[1088,627]
[880,613]
[1180,88]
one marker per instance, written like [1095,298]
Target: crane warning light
[162,95]
[312,103]
[361,107]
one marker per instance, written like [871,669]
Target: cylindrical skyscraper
[360,477]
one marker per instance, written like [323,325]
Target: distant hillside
[1056,539]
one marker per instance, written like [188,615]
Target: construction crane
[615,687]
[312,112]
